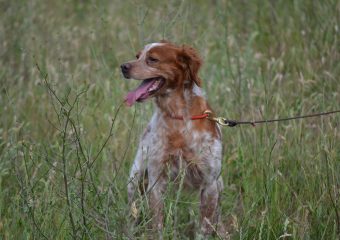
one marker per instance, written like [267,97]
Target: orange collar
[195,117]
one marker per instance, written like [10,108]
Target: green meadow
[66,145]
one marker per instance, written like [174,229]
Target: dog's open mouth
[145,90]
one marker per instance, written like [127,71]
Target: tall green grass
[66,146]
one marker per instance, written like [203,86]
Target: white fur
[198,91]
[152,45]
[148,48]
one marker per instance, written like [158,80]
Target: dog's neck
[183,102]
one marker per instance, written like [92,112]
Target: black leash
[232,123]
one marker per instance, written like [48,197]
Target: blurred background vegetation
[65,149]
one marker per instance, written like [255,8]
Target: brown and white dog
[173,141]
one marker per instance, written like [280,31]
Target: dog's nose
[125,67]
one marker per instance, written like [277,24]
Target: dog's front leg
[157,187]
[136,173]
[209,207]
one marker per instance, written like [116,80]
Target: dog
[177,138]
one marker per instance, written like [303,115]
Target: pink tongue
[138,93]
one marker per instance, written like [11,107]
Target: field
[66,146]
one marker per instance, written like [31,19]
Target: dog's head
[163,67]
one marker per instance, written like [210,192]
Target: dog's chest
[182,140]
[178,146]
[176,138]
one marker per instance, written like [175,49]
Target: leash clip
[220,120]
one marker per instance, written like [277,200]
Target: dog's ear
[192,62]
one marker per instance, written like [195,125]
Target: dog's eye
[152,60]
[137,56]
